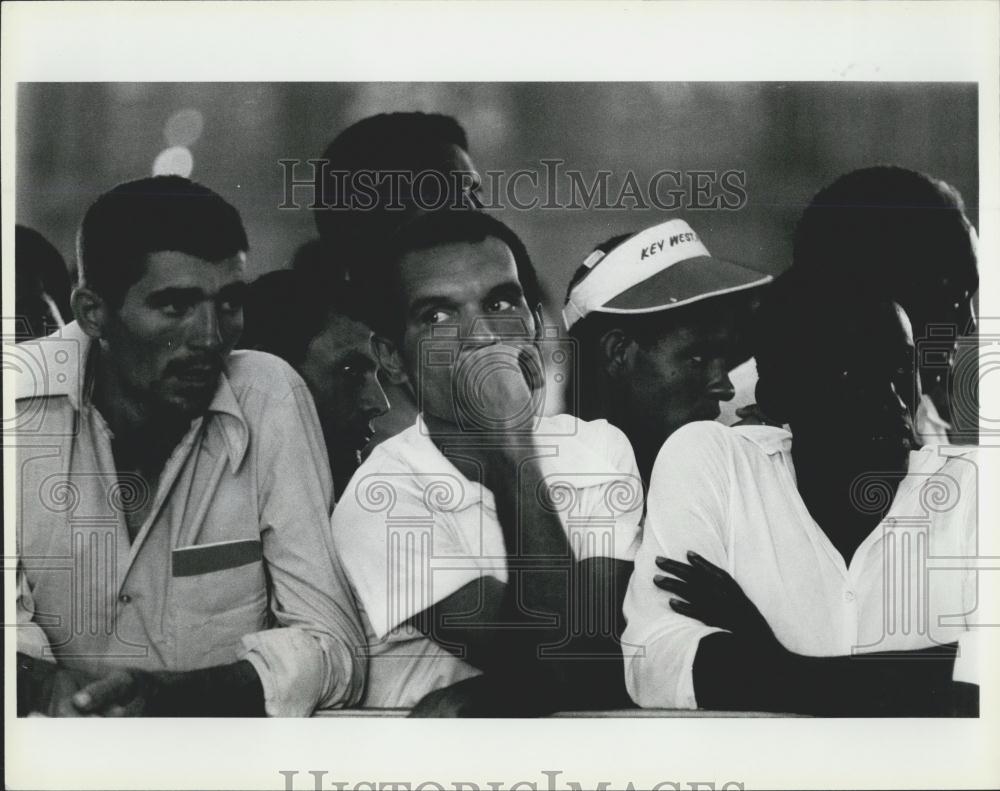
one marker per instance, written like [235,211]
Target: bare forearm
[539,559]
[730,674]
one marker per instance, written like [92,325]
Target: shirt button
[124,598]
[849,596]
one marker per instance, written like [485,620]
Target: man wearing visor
[657,322]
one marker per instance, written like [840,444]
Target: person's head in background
[319,332]
[41,283]
[449,284]
[904,236]
[656,320]
[371,176]
[837,365]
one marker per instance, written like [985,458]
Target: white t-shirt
[411,530]
[729,494]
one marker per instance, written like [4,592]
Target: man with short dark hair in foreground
[173,544]
[485,539]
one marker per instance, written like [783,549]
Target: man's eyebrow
[175,294]
[421,304]
[510,288]
[237,287]
[354,357]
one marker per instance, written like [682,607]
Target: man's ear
[90,310]
[390,360]
[615,345]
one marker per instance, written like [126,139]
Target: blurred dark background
[76,140]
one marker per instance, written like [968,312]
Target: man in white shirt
[484,539]
[796,565]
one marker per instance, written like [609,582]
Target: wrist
[34,678]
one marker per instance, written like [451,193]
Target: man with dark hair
[905,236]
[174,556]
[371,179]
[322,335]
[376,175]
[798,563]
[485,539]
[656,321]
[42,285]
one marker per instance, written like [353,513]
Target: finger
[684,608]
[102,693]
[672,585]
[64,708]
[675,567]
[705,566]
[530,361]
[135,707]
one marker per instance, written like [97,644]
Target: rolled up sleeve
[31,638]
[317,659]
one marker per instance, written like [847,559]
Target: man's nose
[373,398]
[491,329]
[206,330]
[900,399]
[720,386]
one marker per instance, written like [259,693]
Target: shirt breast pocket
[219,594]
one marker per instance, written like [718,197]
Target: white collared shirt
[411,530]
[729,494]
[236,540]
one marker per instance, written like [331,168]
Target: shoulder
[390,472]
[50,366]
[263,373]
[708,449]
[701,438]
[709,437]
[953,462]
[585,438]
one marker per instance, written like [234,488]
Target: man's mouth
[366,435]
[357,438]
[197,374]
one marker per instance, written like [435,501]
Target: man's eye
[231,305]
[176,308]
[697,359]
[436,316]
[500,305]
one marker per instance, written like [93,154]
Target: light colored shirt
[729,494]
[411,530]
[236,541]
[744,380]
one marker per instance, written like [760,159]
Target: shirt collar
[770,439]
[566,457]
[57,366]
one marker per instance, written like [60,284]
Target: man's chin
[185,405]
